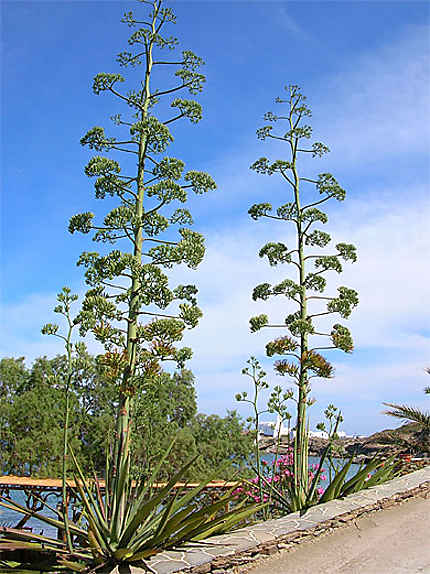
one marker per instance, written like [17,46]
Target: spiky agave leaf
[23,551]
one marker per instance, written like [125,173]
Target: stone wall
[230,553]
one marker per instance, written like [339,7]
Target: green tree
[98,400]
[164,409]
[32,404]
[13,377]
[129,287]
[302,361]
[31,419]
[225,445]
[33,397]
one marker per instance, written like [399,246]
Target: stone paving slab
[239,547]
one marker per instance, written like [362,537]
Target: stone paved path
[394,541]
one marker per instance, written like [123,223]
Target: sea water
[11,518]
[338,463]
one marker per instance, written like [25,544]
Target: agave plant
[374,472]
[279,489]
[155,518]
[282,494]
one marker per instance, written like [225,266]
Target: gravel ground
[393,541]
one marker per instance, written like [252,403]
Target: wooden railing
[37,490]
[52,484]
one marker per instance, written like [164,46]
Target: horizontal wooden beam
[24,482]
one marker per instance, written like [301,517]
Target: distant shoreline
[362,449]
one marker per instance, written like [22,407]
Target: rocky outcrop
[403,440]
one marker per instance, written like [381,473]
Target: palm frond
[408,413]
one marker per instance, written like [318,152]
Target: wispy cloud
[379,107]
[23,321]
[389,326]
[392,281]
[290,24]
[372,112]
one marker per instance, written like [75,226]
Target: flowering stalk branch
[311,268]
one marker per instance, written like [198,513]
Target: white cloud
[374,110]
[380,105]
[391,276]
[286,21]
[23,321]
[392,280]
[389,325]
[361,390]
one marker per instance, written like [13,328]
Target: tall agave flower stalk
[302,361]
[65,300]
[130,286]
[131,310]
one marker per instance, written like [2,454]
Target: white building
[266,428]
[323,434]
[271,428]
[318,434]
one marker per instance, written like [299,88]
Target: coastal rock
[402,440]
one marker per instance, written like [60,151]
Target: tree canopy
[32,416]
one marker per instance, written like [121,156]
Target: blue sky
[364,67]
